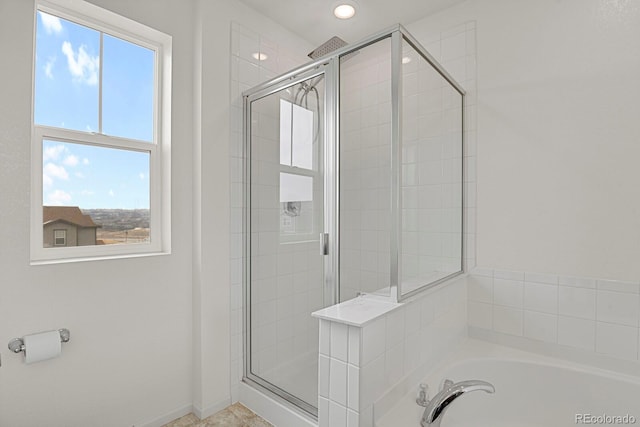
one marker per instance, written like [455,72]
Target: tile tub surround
[373,351]
[581,315]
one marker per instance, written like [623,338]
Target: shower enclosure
[353,184]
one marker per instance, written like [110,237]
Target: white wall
[129,359]
[557,134]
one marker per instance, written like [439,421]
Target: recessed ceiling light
[406,59]
[344,11]
[260,56]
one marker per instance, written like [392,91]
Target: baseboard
[210,410]
[167,418]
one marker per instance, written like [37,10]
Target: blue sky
[67,82]
[83,175]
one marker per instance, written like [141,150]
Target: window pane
[295,188]
[67,74]
[302,132]
[60,237]
[285,132]
[296,135]
[96,195]
[127,89]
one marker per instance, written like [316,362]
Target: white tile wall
[617,340]
[480,315]
[577,302]
[577,333]
[509,293]
[338,380]
[388,355]
[507,320]
[541,297]
[540,326]
[596,316]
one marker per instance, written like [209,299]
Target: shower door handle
[324,243]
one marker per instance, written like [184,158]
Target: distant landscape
[118,226]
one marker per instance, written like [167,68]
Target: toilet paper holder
[16,345]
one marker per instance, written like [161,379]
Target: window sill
[97,258]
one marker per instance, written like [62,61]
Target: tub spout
[435,409]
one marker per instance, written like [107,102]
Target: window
[60,237]
[297,171]
[101,135]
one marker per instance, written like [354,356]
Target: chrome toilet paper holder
[16,345]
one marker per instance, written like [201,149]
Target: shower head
[329,46]
[334,43]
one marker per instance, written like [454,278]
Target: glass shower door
[285,224]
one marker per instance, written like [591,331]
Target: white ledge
[358,311]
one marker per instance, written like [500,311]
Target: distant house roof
[70,214]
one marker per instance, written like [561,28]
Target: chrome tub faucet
[435,408]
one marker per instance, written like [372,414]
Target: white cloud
[71,160]
[51,23]
[58,197]
[87,193]
[79,175]
[82,66]
[53,152]
[111,193]
[52,170]
[141,175]
[85,161]
[48,66]
[47,181]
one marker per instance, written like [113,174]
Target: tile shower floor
[235,415]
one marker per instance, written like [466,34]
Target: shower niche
[353,184]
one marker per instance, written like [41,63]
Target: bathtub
[531,391]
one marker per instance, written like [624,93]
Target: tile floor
[235,415]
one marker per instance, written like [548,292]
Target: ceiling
[313,20]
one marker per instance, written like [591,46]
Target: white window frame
[94,17]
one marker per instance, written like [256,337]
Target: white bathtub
[531,390]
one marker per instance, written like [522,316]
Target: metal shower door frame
[330,209]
